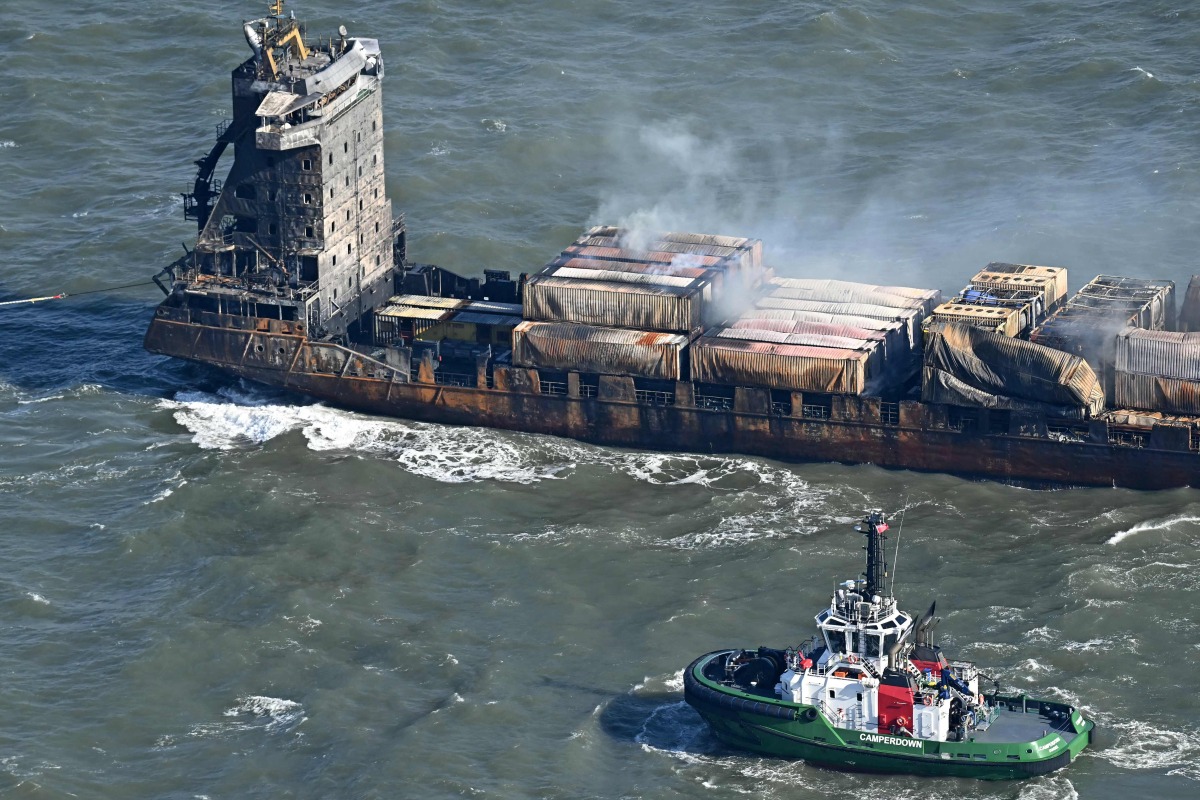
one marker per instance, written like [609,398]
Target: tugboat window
[872,646]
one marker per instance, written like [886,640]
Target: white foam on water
[269,713]
[233,420]
[1048,787]
[1141,746]
[37,598]
[9,142]
[1153,525]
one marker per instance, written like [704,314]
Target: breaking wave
[1153,525]
[760,499]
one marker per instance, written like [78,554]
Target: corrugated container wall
[615,305]
[611,351]
[1164,353]
[670,282]
[779,366]
[1155,393]
[1001,366]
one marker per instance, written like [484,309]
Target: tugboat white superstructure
[872,692]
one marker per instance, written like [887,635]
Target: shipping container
[1088,323]
[672,309]
[893,355]
[1031,302]
[472,327]
[610,351]
[1164,353]
[1050,281]
[850,292]
[909,318]
[1000,319]
[1156,393]
[395,323]
[779,366]
[1189,313]
[1002,366]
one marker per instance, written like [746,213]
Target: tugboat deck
[1013,726]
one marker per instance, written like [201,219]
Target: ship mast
[873,526]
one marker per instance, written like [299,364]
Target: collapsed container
[1088,324]
[968,366]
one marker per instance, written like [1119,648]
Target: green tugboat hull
[773,727]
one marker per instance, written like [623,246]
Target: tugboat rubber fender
[696,692]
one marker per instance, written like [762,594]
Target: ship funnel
[923,625]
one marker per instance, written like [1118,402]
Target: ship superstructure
[656,339]
[302,228]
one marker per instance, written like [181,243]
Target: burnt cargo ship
[672,341]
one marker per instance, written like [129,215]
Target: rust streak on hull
[278,356]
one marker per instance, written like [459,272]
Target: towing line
[63,295]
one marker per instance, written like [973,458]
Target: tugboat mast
[873,526]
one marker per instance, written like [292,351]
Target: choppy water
[211,590]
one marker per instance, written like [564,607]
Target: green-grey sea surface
[211,590]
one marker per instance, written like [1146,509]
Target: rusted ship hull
[852,430]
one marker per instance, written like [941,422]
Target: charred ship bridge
[299,279]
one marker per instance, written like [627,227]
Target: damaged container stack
[629,305]
[1088,324]
[1157,371]
[969,366]
[817,335]
[1009,299]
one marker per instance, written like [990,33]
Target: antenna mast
[873,526]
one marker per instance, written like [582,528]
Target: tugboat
[871,692]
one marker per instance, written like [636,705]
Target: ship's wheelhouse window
[377,226]
[245,191]
[872,643]
[347,180]
[360,202]
[306,164]
[374,160]
[835,640]
[307,199]
[246,225]
[331,158]
[853,642]
[358,136]
[335,264]
[309,232]
[330,192]
[347,215]
[377,193]
[345,147]
[274,229]
[272,195]
[348,251]
[332,227]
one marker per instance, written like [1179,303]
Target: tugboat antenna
[896,557]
